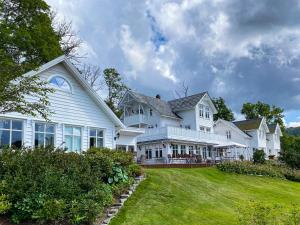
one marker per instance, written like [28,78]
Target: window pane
[4,138]
[100,133]
[92,142]
[16,139]
[68,130]
[17,125]
[77,144]
[77,131]
[39,140]
[40,127]
[93,132]
[4,124]
[50,128]
[68,142]
[99,142]
[49,140]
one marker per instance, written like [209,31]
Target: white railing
[135,119]
[177,133]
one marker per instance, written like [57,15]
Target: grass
[200,196]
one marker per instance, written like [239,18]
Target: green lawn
[199,196]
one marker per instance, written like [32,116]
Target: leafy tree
[223,111]
[27,40]
[290,151]
[272,114]
[116,89]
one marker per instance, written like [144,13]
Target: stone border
[112,211]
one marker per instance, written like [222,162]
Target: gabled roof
[233,126]
[188,102]
[245,125]
[159,105]
[273,127]
[92,93]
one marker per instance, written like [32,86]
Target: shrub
[259,156]
[270,169]
[50,184]
[290,153]
[135,170]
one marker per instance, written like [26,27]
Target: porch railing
[135,119]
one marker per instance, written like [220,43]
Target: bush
[270,169]
[135,170]
[259,156]
[290,153]
[49,184]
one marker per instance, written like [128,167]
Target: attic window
[61,83]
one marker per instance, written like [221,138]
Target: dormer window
[60,83]
[207,114]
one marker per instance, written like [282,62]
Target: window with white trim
[96,138]
[158,153]
[201,111]
[228,134]
[191,150]
[208,129]
[207,113]
[61,83]
[148,153]
[72,135]
[175,150]
[44,135]
[183,149]
[202,128]
[11,133]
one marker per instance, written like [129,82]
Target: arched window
[61,83]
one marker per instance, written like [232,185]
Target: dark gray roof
[245,125]
[186,102]
[160,105]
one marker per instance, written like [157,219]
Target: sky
[241,50]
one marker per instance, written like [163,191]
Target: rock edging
[112,211]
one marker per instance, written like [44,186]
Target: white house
[174,129]
[253,134]
[80,119]
[184,127]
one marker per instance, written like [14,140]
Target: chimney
[157,96]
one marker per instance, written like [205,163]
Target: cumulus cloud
[242,50]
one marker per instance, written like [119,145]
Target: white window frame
[201,111]
[147,151]
[202,128]
[11,130]
[81,137]
[97,129]
[207,112]
[228,134]
[34,132]
[58,88]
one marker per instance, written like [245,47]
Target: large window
[183,149]
[175,150]
[61,83]
[207,113]
[11,133]
[96,138]
[44,135]
[191,150]
[158,153]
[73,138]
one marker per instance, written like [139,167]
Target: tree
[116,88]
[27,40]
[272,114]
[183,90]
[93,75]
[290,151]
[259,156]
[223,111]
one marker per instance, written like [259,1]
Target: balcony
[181,134]
[135,120]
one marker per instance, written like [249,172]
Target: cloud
[242,50]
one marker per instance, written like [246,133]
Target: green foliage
[259,156]
[268,169]
[293,131]
[259,213]
[290,153]
[223,111]
[272,114]
[49,184]
[116,88]
[135,170]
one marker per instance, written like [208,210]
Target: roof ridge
[200,93]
